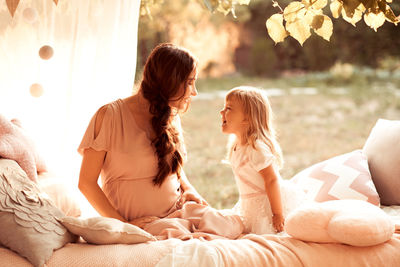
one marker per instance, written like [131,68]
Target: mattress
[251,250]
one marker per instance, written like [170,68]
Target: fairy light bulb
[46,52]
[36,90]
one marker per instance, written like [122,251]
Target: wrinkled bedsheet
[271,251]
[250,250]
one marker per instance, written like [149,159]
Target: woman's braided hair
[166,69]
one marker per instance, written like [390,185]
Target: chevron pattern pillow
[345,176]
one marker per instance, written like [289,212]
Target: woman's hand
[278,222]
[142,221]
[191,195]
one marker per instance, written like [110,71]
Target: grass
[311,128]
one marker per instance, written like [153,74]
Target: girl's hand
[191,195]
[142,221]
[278,222]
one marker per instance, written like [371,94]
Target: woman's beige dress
[129,168]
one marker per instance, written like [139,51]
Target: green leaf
[293,11]
[374,20]
[299,30]
[323,26]
[275,28]
[336,8]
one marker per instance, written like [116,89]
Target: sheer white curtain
[94,59]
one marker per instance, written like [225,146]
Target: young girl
[255,157]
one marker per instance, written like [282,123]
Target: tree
[298,18]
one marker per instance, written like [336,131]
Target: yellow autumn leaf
[374,20]
[317,22]
[336,8]
[319,4]
[275,28]
[369,3]
[310,14]
[323,26]
[390,16]
[306,3]
[316,4]
[243,2]
[350,6]
[299,30]
[293,11]
[357,15]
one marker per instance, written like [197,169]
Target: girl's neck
[240,141]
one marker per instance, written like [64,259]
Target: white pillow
[103,230]
[62,195]
[383,151]
[352,222]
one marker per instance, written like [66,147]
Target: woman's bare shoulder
[99,119]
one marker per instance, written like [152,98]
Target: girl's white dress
[253,204]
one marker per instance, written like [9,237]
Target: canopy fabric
[89,60]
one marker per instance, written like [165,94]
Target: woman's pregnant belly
[135,198]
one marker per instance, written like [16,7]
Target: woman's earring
[174,111]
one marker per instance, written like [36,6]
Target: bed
[251,250]
[59,236]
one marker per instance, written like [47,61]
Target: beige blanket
[251,250]
[268,250]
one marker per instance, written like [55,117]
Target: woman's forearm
[190,193]
[99,201]
[92,163]
[185,184]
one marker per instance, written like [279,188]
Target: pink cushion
[16,145]
[352,222]
[342,177]
[383,151]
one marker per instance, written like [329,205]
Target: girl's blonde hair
[258,114]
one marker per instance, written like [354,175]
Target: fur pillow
[63,195]
[16,145]
[383,151]
[352,222]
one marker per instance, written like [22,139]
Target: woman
[136,145]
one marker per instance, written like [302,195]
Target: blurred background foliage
[227,45]
[326,96]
